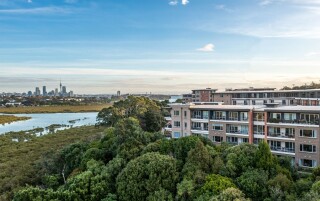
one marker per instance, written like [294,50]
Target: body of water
[46,119]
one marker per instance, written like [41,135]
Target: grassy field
[4,119]
[54,109]
[18,159]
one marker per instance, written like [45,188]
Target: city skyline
[159,46]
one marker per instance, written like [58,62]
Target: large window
[176,124]
[176,135]
[274,131]
[219,115]
[290,132]
[308,133]
[289,147]
[276,116]
[217,139]
[176,112]
[217,127]
[196,125]
[290,116]
[232,140]
[244,116]
[275,145]
[205,114]
[258,116]
[196,114]
[258,129]
[307,163]
[308,148]
[233,116]
[310,118]
[205,126]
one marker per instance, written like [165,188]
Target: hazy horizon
[158,46]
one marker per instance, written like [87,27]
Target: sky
[158,46]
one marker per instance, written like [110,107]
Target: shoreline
[53,109]
[8,119]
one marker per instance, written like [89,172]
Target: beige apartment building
[289,130]
[257,96]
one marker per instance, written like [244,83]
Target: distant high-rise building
[71,93]
[29,93]
[44,91]
[118,93]
[56,92]
[64,90]
[60,87]
[37,92]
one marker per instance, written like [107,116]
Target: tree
[230,194]
[215,184]
[145,175]
[264,157]
[254,184]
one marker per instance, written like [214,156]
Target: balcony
[281,135]
[238,132]
[294,121]
[218,118]
[282,149]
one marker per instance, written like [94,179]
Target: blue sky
[159,46]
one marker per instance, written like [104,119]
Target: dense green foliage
[312,85]
[130,164]
[21,153]
[148,112]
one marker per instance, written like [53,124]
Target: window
[308,133]
[290,116]
[258,116]
[176,135]
[176,124]
[244,116]
[290,132]
[185,125]
[308,148]
[245,140]
[307,163]
[276,115]
[217,139]
[289,146]
[233,116]
[176,112]
[233,129]
[205,126]
[310,118]
[217,127]
[185,113]
[196,125]
[257,140]
[232,139]
[205,114]
[196,114]
[258,129]
[274,131]
[219,115]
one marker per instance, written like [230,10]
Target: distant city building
[44,91]
[64,90]
[37,92]
[118,93]
[71,93]
[203,95]
[56,92]
[29,93]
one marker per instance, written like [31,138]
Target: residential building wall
[289,130]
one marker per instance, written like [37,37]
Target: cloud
[207,48]
[265,2]
[40,10]
[29,1]
[313,54]
[173,3]
[185,2]
[220,7]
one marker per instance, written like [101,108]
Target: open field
[53,109]
[4,119]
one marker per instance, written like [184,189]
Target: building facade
[289,130]
[203,95]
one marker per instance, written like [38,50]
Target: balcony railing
[294,121]
[282,149]
[237,132]
[196,128]
[219,118]
[281,135]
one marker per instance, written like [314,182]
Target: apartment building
[289,130]
[203,95]
[261,96]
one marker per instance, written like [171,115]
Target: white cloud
[207,48]
[173,3]
[29,1]
[220,7]
[313,54]
[185,2]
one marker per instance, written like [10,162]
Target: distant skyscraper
[56,92]
[71,93]
[60,87]
[29,93]
[37,92]
[118,93]
[44,91]
[64,90]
